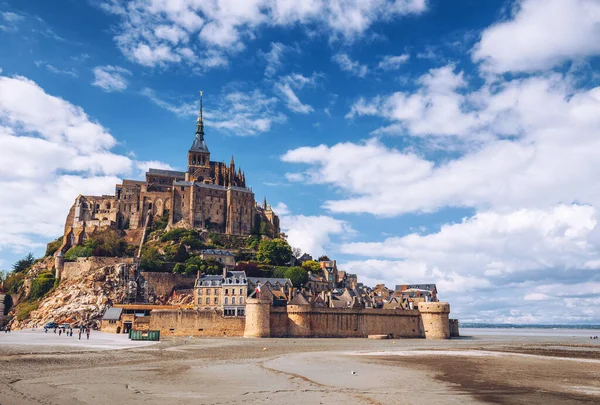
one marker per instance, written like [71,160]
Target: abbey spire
[199,144]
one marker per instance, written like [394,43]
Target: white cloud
[273,58]
[393,62]
[50,151]
[539,35]
[151,33]
[54,69]
[312,234]
[179,109]
[349,65]
[11,17]
[286,86]
[111,78]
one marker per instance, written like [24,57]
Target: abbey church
[209,196]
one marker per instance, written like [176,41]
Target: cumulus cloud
[286,87]
[351,66]
[393,62]
[50,151]
[111,78]
[312,234]
[539,35]
[153,33]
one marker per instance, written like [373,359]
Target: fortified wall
[262,320]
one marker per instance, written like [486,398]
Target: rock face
[82,299]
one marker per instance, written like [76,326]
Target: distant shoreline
[526,326]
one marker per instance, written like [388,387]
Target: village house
[225,257]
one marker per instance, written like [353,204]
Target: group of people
[594,337]
[69,331]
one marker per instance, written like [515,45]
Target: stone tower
[59,264]
[435,318]
[198,155]
[258,318]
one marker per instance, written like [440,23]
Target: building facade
[209,195]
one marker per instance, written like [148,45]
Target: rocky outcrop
[81,299]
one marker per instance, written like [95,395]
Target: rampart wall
[165,283]
[190,322]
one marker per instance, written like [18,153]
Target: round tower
[299,320]
[435,319]
[59,264]
[258,318]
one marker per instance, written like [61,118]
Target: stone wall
[164,283]
[454,328]
[188,322]
[73,270]
[303,321]
[436,323]
[2,298]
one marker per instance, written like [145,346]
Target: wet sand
[477,370]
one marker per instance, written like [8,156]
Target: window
[208,291]
[226,300]
[199,300]
[226,292]
[207,300]
[233,291]
[240,312]
[199,291]
[216,292]
[216,300]
[233,300]
[241,300]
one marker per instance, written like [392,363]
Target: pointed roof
[199,144]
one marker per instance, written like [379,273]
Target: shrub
[176,253]
[150,259]
[159,223]
[280,271]
[179,268]
[53,246]
[40,287]
[252,242]
[108,243]
[13,281]
[78,251]
[245,256]
[192,242]
[312,265]
[24,309]
[173,234]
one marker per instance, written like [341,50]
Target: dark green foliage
[46,275]
[150,259]
[298,276]
[53,246]
[276,251]
[195,264]
[159,223]
[280,271]
[107,243]
[40,287]
[243,256]
[323,259]
[78,251]
[252,242]
[192,242]
[23,264]
[266,228]
[173,234]
[13,281]
[251,269]
[179,268]
[176,253]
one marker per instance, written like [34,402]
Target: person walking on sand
[79,333]
[88,334]
[59,332]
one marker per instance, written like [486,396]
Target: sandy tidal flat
[475,370]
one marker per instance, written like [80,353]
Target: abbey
[209,195]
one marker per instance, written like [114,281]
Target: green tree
[179,268]
[276,251]
[25,263]
[150,259]
[297,275]
[312,265]
[78,251]
[106,243]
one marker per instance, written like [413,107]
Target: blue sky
[414,141]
